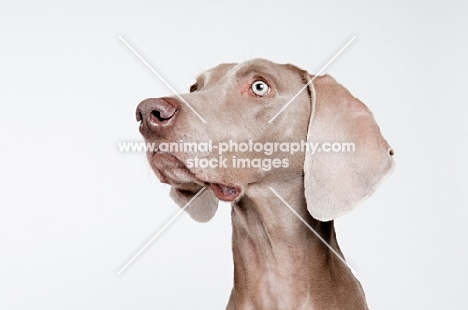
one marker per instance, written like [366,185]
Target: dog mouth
[171,170]
[226,192]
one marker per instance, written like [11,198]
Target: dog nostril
[154,112]
[139,116]
[162,115]
[157,114]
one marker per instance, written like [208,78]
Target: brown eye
[260,88]
[194,87]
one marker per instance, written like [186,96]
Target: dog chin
[171,170]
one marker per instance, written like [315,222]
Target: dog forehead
[258,65]
[215,74]
[283,75]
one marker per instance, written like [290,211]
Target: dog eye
[260,88]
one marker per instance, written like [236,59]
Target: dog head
[238,125]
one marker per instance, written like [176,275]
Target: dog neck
[279,263]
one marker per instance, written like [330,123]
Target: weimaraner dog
[279,262]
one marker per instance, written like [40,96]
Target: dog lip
[167,157]
[225,192]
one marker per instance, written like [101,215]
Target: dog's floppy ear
[337,180]
[202,208]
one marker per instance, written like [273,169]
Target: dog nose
[155,113]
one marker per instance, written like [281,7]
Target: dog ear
[202,208]
[337,180]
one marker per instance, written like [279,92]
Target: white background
[74,210]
